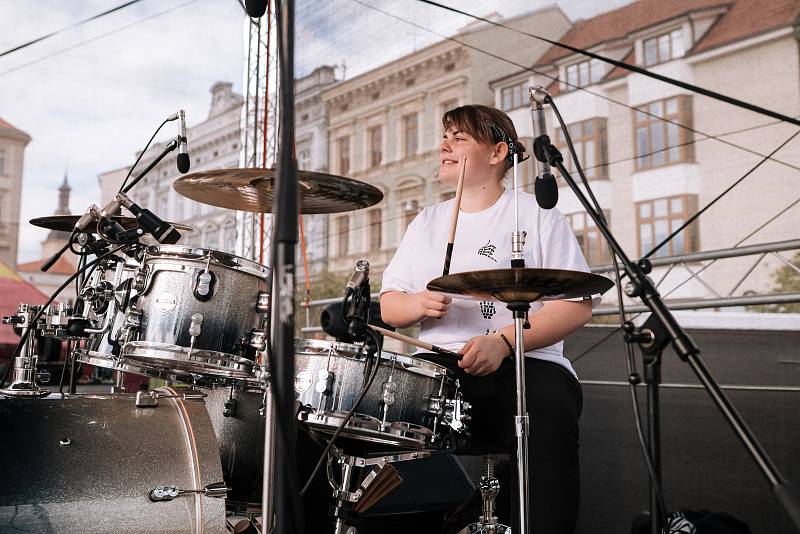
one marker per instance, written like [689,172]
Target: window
[375,230]
[2,161]
[656,219]
[163,204]
[410,134]
[179,203]
[410,211]
[590,140]
[211,237]
[375,140]
[659,142]
[583,73]
[343,234]
[229,236]
[589,238]
[513,97]
[343,147]
[663,47]
[304,159]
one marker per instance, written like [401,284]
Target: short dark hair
[487,125]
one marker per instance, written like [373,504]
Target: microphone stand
[169,147]
[284,495]
[661,329]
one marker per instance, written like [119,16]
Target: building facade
[385,129]
[311,148]
[212,144]
[12,157]
[655,153]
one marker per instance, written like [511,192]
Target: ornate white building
[12,154]
[212,144]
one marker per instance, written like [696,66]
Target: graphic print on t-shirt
[487,309]
[488,250]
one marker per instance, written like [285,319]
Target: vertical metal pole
[652,374]
[268,482]
[521,422]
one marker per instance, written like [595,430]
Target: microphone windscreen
[546,190]
[183,163]
[255,8]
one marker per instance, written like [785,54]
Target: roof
[15,291]
[7,127]
[743,18]
[62,266]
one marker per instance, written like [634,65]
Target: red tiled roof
[5,125]
[62,266]
[743,18]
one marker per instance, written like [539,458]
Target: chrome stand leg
[521,421]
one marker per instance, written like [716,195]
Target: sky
[91,96]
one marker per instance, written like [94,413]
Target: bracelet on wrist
[511,351]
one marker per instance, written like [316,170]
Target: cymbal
[65,223]
[254,190]
[521,285]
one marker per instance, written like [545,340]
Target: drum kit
[188,456]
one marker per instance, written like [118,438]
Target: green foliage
[785,280]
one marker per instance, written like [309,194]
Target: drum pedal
[169,492]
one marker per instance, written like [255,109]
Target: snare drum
[197,311]
[412,403]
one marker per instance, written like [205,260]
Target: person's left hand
[483,354]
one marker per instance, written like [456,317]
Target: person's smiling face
[484,161]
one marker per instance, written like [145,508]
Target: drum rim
[221,258]
[154,370]
[349,350]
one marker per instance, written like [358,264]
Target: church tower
[58,238]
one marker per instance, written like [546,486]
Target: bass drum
[87,463]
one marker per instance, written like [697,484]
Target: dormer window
[663,47]
[513,97]
[583,73]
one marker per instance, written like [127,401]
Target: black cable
[376,338]
[75,25]
[633,68]
[121,28]
[53,296]
[124,182]
[633,377]
[573,86]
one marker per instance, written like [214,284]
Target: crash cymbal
[65,223]
[521,285]
[254,190]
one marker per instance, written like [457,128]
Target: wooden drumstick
[448,255]
[416,342]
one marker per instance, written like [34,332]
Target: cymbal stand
[521,422]
[489,487]
[24,381]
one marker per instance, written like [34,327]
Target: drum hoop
[218,257]
[349,350]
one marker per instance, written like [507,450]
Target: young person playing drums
[484,331]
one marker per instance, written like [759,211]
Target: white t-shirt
[483,241]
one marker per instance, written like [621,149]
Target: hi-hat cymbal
[65,223]
[254,190]
[521,285]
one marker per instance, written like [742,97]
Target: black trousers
[554,404]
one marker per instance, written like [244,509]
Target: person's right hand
[432,304]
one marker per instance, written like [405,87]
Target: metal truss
[260,78]
[689,263]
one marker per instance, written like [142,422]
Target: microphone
[183,156]
[546,188]
[162,231]
[255,8]
[360,273]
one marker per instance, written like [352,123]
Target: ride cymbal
[254,190]
[521,285]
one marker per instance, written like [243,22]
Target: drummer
[484,331]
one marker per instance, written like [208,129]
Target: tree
[785,280]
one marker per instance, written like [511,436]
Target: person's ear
[499,153]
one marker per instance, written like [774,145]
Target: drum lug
[457,412]
[258,339]
[204,284]
[146,399]
[263,302]
[324,385]
[140,280]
